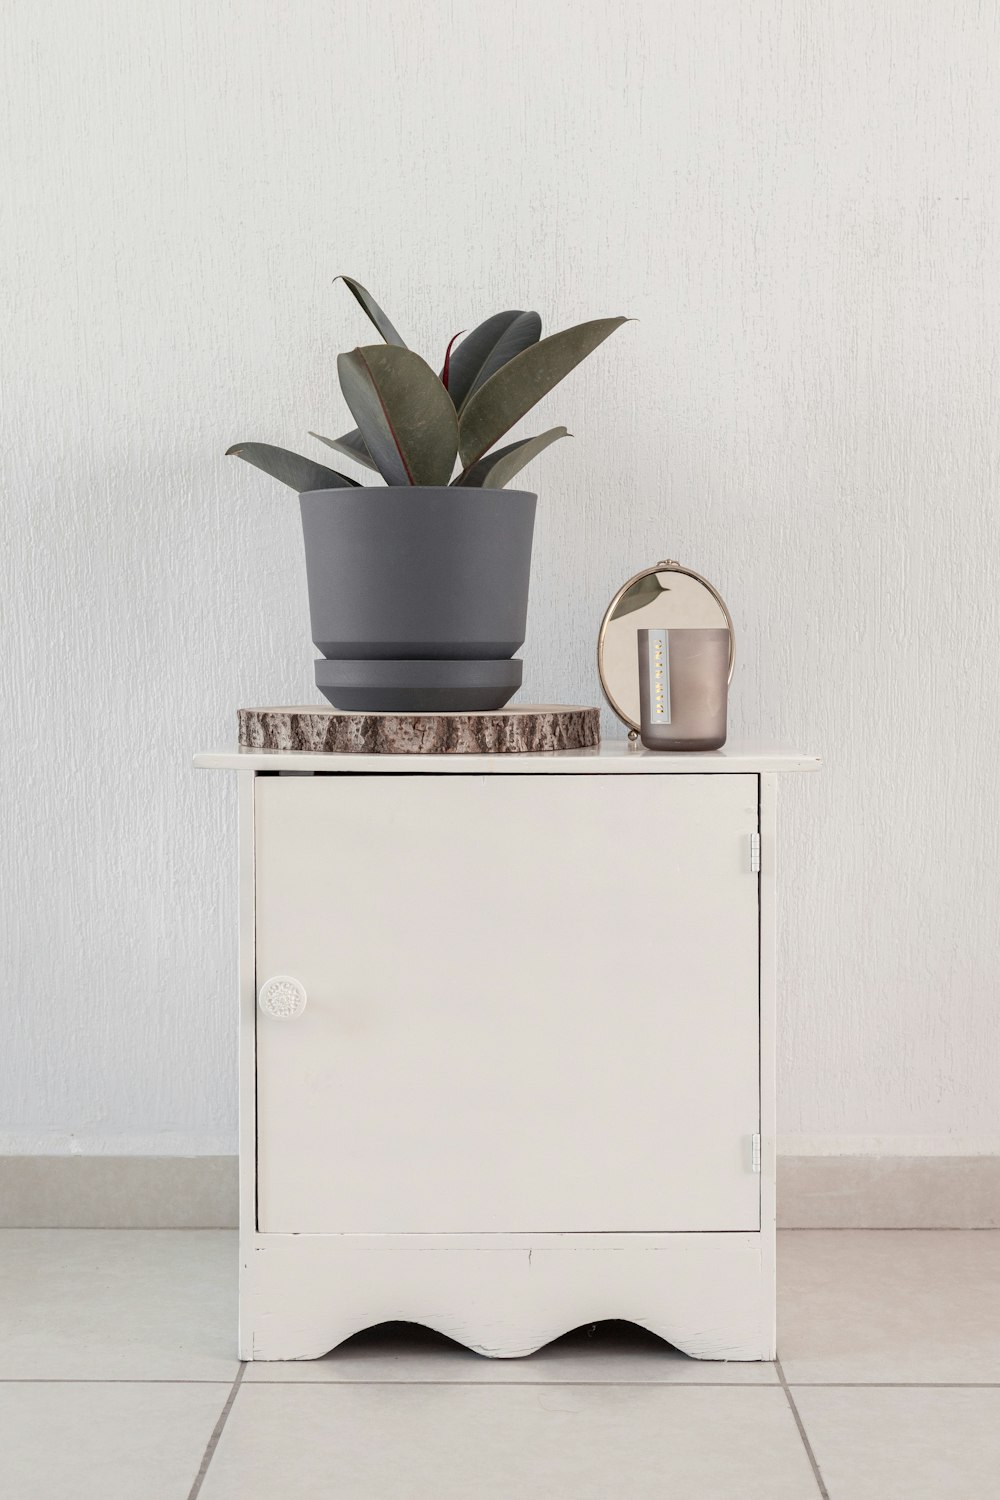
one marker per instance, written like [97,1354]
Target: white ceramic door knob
[282,998]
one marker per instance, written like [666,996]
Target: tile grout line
[598,1380]
[824,1492]
[659,1385]
[769,1385]
[895,1385]
[213,1442]
[109,1380]
[549,1385]
[694,1385]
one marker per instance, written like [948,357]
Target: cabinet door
[532,1003]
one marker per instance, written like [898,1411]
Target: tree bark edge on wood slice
[524,729]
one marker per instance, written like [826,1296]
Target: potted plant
[418,588]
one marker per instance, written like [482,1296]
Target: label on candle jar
[659,676]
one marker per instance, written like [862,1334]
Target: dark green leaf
[291,468]
[373,310]
[352,444]
[493,409]
[639,595]
[482,352]
[403,411]
[498,468]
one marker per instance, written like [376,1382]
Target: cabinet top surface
[612,757]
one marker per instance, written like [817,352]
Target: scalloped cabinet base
[507,1295]
[506,1047]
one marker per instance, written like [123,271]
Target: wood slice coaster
[527,727]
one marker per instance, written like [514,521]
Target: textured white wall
[797,203]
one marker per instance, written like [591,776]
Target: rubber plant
[415,424]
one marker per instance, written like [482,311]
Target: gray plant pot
[404,577]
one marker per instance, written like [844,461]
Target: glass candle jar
[683,688]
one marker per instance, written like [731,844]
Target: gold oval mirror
[667,597]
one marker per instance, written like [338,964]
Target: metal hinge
[755,1153]
[755,854]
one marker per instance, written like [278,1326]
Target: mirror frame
[668,565]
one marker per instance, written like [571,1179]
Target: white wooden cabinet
[532,1084]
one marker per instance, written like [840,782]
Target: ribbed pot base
[381,686]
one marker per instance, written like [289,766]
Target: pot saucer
[406,686]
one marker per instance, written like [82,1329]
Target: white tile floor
[118,1381]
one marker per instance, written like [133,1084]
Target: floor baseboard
[118,1192]
[201,1192]
[889,1192]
